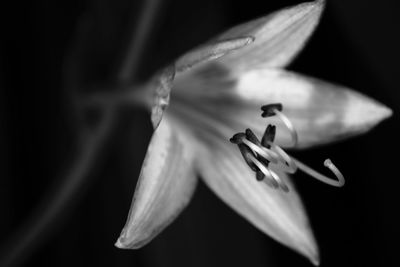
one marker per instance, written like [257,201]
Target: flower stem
[41,225]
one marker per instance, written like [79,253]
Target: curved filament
[328,163]
[270,174]
[288,163]
[262,151]
[289,125]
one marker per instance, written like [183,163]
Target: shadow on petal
[166,185]
[278,214]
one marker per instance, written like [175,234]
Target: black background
[356,44]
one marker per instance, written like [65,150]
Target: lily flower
[215,91]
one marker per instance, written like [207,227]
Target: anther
[261,150]
[247,154]
[269,136]
[272,178]
[237,138]
[268,181]
[269,110]
[244,150]
[252,137]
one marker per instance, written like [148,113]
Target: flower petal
[278,37]
[161,86]
[320,112]
[166,184]
[278,214]
[210,51]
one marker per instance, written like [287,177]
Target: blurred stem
[144,25]
[36,229]
[42,223]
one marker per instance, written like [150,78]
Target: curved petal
[210,51]
[166,184]
[278,214]
[160,87]
[278,37]
[320,112]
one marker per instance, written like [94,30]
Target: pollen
[260,155]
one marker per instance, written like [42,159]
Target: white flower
[216,91]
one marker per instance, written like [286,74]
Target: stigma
[259,155]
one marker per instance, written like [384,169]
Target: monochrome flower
[215,91]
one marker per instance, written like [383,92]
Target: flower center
[258,155]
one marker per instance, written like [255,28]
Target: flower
[215,91]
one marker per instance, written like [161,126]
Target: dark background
[356,45]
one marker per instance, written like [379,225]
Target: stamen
[269,136]
[258,155]
[253,139]
[328,163]
[262,151]
[244,150]
[285,159]
[289,125]
[237,138]
[247,154]
[273,178]
[269,110]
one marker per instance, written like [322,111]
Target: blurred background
[51,50]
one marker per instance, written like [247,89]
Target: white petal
[320,112]
[278,214]
[278,37]
[210,51]
[166,184]
[160,87]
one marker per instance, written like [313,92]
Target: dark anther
[252,137]
[260,176]
[246,153]
[268,110]
[237,138]
[284,187]
[270,182]
[245,150]
[269,136]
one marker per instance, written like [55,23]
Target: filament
[289,125]
[267,151]
[269,174]
[285,159]
[262,151]
[327,163]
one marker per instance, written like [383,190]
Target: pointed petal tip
[122,241]
[307,246]
[132,242]
[315,260]
[366,114]
[120,244]
[383,112]
[313,255]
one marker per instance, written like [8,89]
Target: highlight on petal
[321,112]
[278,214]
[278,37]
[211,51]
[166,184]
[161,86]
